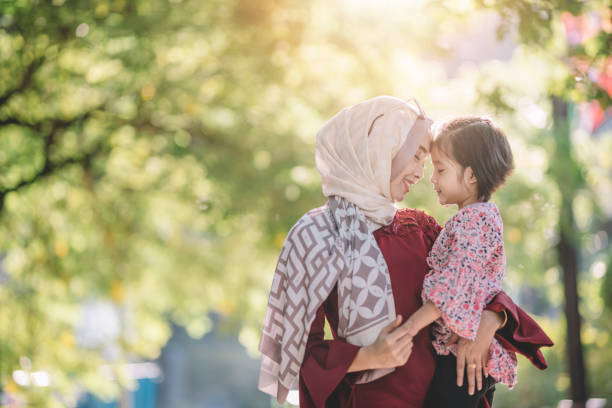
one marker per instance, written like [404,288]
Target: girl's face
[453,183]
[412,173]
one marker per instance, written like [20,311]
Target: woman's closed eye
[440,170]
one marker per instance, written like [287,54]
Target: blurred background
[154,154]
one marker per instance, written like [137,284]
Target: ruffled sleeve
[467,266]
[325,365]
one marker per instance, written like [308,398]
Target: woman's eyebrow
[424,149]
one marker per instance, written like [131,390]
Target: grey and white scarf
[330,245]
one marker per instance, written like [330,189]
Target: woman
[361,263]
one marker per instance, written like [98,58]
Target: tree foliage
[155,153]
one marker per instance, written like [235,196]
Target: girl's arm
[427,314]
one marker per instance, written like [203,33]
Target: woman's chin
[398,198]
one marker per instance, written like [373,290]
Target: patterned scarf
[329,245]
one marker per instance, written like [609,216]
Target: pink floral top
[467,264]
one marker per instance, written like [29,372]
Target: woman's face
[412,173]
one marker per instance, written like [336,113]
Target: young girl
[471,158]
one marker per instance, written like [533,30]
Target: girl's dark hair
[478,143]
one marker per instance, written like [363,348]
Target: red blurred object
[580,29]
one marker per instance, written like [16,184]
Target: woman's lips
[409,184]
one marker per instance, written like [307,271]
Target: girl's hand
[391,349]
[475,354]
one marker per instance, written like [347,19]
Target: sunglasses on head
[421,113]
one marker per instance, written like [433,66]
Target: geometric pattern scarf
[330,245]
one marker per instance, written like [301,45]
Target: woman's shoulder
[407,221]
[317,218]
[415,217]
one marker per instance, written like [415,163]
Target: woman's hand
[391,349]
[475,354]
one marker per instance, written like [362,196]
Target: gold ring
[472,365]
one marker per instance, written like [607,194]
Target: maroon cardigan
[324,381]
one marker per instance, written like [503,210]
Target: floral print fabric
[467,264]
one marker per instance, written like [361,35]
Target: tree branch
[12,121]
[25,80]
[50,168]
[57,124]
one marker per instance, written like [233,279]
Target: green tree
[156,153]
[127,156]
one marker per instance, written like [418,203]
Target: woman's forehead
[425,145]
[427,141]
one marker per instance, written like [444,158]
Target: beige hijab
[355,150]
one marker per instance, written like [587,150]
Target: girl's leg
[443,391]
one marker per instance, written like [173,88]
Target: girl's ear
[468,176]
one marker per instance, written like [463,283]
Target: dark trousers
[444,393]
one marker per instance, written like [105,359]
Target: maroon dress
[324,381]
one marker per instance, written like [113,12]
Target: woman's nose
[421,171]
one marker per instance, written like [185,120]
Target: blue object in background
[90,401]
[142,397]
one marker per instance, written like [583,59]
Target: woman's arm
[324,366]
[327,363]
[391,349]
[521,333]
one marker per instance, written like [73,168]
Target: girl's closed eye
[441,170]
